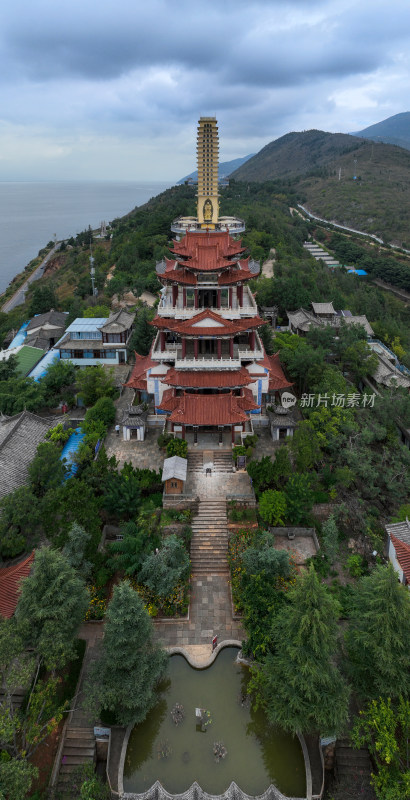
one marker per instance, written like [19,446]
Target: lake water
[32,213]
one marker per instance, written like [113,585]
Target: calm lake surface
[178,755]
[31,213]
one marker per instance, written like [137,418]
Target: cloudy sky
[112,89]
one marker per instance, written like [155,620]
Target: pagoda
[207,370]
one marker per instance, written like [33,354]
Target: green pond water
[257,755]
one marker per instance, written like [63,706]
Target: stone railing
[157,792]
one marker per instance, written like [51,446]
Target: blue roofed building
[89,341]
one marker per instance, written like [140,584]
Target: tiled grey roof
[401,530]
[134,416]
[175,467]
[58,319]
[20,436]
[303,319]
[323,308]
[388,375]
[118,322]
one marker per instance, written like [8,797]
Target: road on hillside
[20,295]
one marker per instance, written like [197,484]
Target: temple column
[218,303]
[174,295]
[196,348]
[219,348]
[220,435]
[233,433]
[184,297]
[231,347]
[195,435]
[183,431]
[196,298]
[183,347]
[240,295]
[162,340]
[252,340]
[230,297]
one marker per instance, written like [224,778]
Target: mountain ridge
[393,130]
[225,168]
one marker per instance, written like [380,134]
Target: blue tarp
[41,368]
[20,336]
[69,452]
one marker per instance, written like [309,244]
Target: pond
[250,752]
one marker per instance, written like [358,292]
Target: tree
[16,777]
[163,570]
[43,299]
[103,410]
[95,382]
[129,552]
[299,497]
[378,637]
[384,728]
[46,470]
[261,472]
[131,664]
[52,605]
[122,494]
[23,730]
[305,446]
[330,537]
[58,381]
[19,521]
[75,547]
[143,333]
[8,368]
[265,332]
[299,683]
[273,507]
[73,501]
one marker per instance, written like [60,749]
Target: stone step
[69,761]
[74,732]
[73,750]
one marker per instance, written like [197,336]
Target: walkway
[79,741]
[143,455]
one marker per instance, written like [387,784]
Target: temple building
[207,370]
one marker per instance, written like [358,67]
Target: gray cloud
[137,74]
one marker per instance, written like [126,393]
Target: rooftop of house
[51,319]
[10,578]
[401,530]
[402,550]
[175,467]
[20,436]
[118,322]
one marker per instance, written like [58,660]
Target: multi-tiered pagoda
[207,370]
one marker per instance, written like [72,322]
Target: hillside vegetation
[320,168]
[393,130]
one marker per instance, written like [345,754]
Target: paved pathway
[144,455]
[210,614]
[20,295]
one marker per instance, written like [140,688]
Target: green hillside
[393,130]
[320,167]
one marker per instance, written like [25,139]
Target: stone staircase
[351,763]
[221,460]
[209,543]
[78,749]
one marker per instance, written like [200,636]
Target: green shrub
[356,565]
[239,450]
[164,439]
[177,447]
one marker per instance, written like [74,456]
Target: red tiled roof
[246,400]
[207,251]
[138,379]
[169,400]
[10,578]
[189,327]
[403,555]
[202,409]
[176,272]
[212,379]
[277,378]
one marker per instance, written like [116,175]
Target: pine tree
[131,664]
[75,547]
[51,607]
[142,334]
[378,639]
[300,684]
[330,536]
